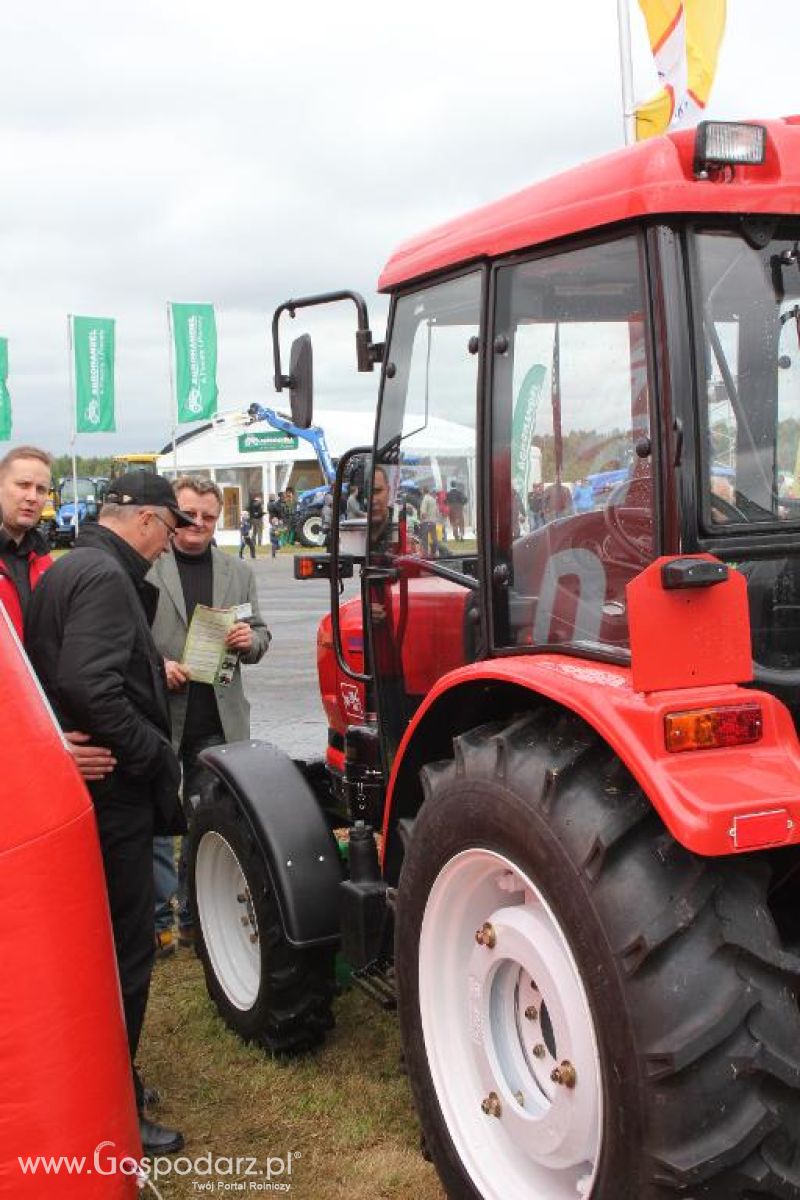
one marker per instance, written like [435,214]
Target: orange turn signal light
[304,568]
[711,728]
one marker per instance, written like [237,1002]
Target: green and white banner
[93,345]
[523,427]
[250,443]
[195,336]
[5,398]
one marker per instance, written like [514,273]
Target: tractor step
[377,981]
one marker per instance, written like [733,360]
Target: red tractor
[563,744]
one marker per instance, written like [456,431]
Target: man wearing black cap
[88,630]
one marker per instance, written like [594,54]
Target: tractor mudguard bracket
[299,849]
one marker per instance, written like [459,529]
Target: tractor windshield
[749,313]
[750,316]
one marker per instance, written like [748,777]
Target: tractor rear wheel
[588,1011]
[266,990]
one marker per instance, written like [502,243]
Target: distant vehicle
[90,493]
[47,521]
[121,463]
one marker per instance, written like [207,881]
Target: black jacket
[88,635]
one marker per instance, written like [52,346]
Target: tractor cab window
[426,433]
[572,490]
[422,501]
[747,313]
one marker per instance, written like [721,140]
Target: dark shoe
[151,1097]
[159,1139]
[165,943]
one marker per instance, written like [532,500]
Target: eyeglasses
[169,528]
[198,517]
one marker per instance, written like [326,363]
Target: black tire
[310,530]
[693,998]
[285,1001]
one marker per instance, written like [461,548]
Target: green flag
[195,334]
[522,429]
[93,342]
[5,399]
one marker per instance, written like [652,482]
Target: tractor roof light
[713,728]
[728,144]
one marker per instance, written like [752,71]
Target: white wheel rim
[312,528]
[476,1004]
[228,921]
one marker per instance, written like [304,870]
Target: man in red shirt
[25,478]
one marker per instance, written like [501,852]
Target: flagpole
[74,424]
[626,71]
[173,393]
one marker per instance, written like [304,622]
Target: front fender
[703,797]
[299,850]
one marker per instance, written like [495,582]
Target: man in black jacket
[88,636]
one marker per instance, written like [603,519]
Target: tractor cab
[626,386]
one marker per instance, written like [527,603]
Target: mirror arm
[367,354]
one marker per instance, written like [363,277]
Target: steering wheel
[640,518]
[729,513]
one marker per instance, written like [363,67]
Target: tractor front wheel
[266,990]
[588,1011]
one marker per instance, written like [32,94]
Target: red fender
[714,801]
[63,1047]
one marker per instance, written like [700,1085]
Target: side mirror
[301,381]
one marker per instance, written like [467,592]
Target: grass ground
[345,1113]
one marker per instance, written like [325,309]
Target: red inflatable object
[68,1125]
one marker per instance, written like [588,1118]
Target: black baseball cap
[145,488]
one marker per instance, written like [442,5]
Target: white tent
[246,459]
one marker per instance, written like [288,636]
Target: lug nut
[530,1013]
[538,1050]
[254,938]
[486,936]
[491,1105]
[565,1075]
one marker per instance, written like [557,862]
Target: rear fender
[705,798]
[285,817]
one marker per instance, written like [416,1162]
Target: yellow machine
[121,463]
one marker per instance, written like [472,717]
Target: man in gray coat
[196,572]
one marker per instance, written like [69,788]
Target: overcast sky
[244,152]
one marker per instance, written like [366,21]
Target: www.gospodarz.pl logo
[215,1174]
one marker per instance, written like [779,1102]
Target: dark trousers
[247,541]
[125,826]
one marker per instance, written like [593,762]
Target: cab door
[422,596]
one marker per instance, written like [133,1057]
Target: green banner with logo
[5,398]
[194,332]
[249,443]
[93,344]
[522,429]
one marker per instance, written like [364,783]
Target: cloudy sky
[244,152]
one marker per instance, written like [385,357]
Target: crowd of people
[279,512]
[105,628]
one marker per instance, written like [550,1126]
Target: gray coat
[233,583]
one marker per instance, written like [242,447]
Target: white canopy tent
[249,459]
